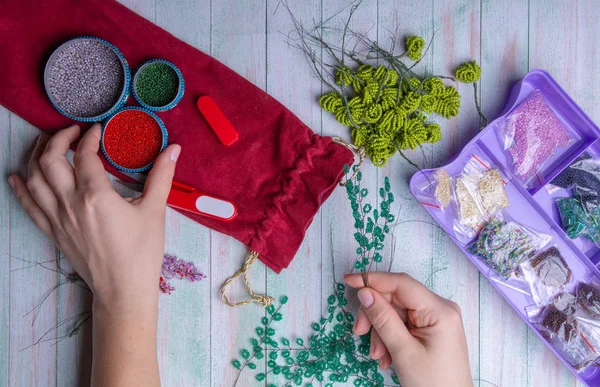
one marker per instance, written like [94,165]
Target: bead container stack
[87,79]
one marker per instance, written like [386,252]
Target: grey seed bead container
[123,84]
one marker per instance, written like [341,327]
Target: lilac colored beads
[174,267]
[533,133]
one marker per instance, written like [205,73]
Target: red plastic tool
[187,198]
[217,120]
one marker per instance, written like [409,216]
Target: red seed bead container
[132,139]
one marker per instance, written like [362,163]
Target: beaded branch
[375,91]
[332,353]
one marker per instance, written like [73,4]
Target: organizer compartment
[530,206]
[492,140]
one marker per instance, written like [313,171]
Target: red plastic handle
[217,120]
[187,198]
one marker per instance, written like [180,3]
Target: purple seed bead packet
[532,135]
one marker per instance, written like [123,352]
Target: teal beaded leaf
[245,353]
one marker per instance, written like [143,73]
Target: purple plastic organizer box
[531,205]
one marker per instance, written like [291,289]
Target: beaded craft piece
[175,268]
[376,91]
[332,353]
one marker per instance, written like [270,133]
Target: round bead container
[132,139]
[87,79]
[158,85]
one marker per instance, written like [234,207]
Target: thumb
[386,321]
[160,178]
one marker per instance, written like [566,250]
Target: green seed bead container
[158,85]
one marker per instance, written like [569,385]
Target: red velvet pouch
[278,173]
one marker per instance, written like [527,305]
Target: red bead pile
[132,139]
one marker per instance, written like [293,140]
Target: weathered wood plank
[413,250]
[457,40]
[73,354]
[291,81]
[6,197]
[184,317]
[36,365]
[239,41]
[555,28]
[337,235]
[503,335]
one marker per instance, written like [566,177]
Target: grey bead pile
[86,78]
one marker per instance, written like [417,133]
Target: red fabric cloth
[278,173]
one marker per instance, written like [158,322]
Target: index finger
[89,171]
[409,292]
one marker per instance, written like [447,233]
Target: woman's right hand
[414,329]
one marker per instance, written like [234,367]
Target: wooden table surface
[198,333]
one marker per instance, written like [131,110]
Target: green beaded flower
[387,114]
[414,47]
[468,72]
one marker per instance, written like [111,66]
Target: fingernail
[371,348]
[11,181]
[365,297]
[175,153]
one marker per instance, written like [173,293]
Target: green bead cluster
[372,225]
[332,353]
[157,84]
[388,111]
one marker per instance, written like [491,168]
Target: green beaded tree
[331,353]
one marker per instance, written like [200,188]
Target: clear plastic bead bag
[532,134]
[503,244]
[547,274]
